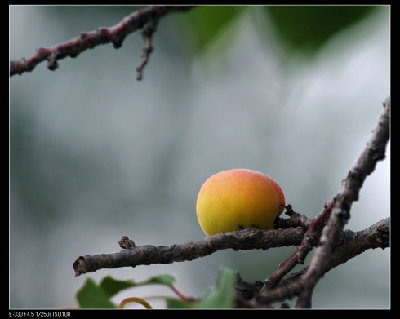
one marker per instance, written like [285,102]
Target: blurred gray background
[95,154]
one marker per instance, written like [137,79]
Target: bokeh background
[95,154]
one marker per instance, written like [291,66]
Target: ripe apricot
[237,199]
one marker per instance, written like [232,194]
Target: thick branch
[115,34]
[246,239]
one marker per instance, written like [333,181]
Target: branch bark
[246,239]
[88,40]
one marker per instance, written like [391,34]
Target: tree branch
[340,213]
[115,35]
[352,244]
[246,239]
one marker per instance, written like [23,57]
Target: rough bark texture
[246,239]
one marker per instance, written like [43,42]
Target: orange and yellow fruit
[237,199]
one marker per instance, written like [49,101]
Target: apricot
[237,199]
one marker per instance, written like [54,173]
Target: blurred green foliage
[299,29]
[204,24]
[305,29]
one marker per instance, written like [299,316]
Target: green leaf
[179,304]
[305,29]
[204,24]
[92,296]
[111,286]
[165,279]
[220,296]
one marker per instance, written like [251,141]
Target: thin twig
[88,40]
[148,38]
[309,241]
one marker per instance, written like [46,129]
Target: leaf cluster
[93,295]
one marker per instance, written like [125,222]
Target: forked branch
[338,212]
[115,35]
